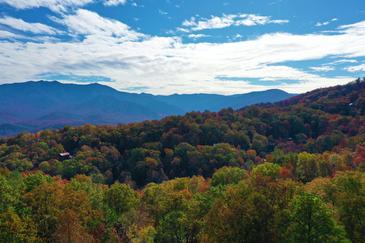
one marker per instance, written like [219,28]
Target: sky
[184,46]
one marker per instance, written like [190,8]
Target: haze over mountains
[32,106]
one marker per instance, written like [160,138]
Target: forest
[291,171]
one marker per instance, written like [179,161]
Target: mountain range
[36,105]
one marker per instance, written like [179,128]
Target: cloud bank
[108,48]
[215,22]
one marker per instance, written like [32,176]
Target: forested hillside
[292,171]
[322,122]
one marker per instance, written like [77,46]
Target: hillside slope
[345,100]
[198,143]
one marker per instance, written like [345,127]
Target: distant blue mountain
[213,102]
[32,106]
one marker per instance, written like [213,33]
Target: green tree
[259,143]
[121,198]
[307,167]
[311,221]
[8,196]
[350,203]
[267,169]
[34,180]
[173,228]
[228,175]
[14,229]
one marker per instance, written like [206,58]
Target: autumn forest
[292,171]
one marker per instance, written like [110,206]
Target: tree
[350,203]
[69,229]
[173,228]
[242,215]
[259,143]
[33,180]
[121,198]
[307,167]
[311,221]
[267,169]
[144,235]
[45,202]
[228,175]
[15,229]
[8,196]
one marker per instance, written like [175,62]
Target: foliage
[296,134]
[311,221]
[286,172]
[267,169]
[228,175]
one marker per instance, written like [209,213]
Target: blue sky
[184,46]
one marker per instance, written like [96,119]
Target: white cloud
[320,24]
[323,68]
[212,23]
[54,5]
[6,34]
[215,22]
[114,2]
[85,22]
[354,69]
[197,36]
[167,65]
[36,28]
[252,20]
[343,61]
[356,28]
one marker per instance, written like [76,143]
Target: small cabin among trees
[64,156]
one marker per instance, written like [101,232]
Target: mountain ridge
[37,105]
